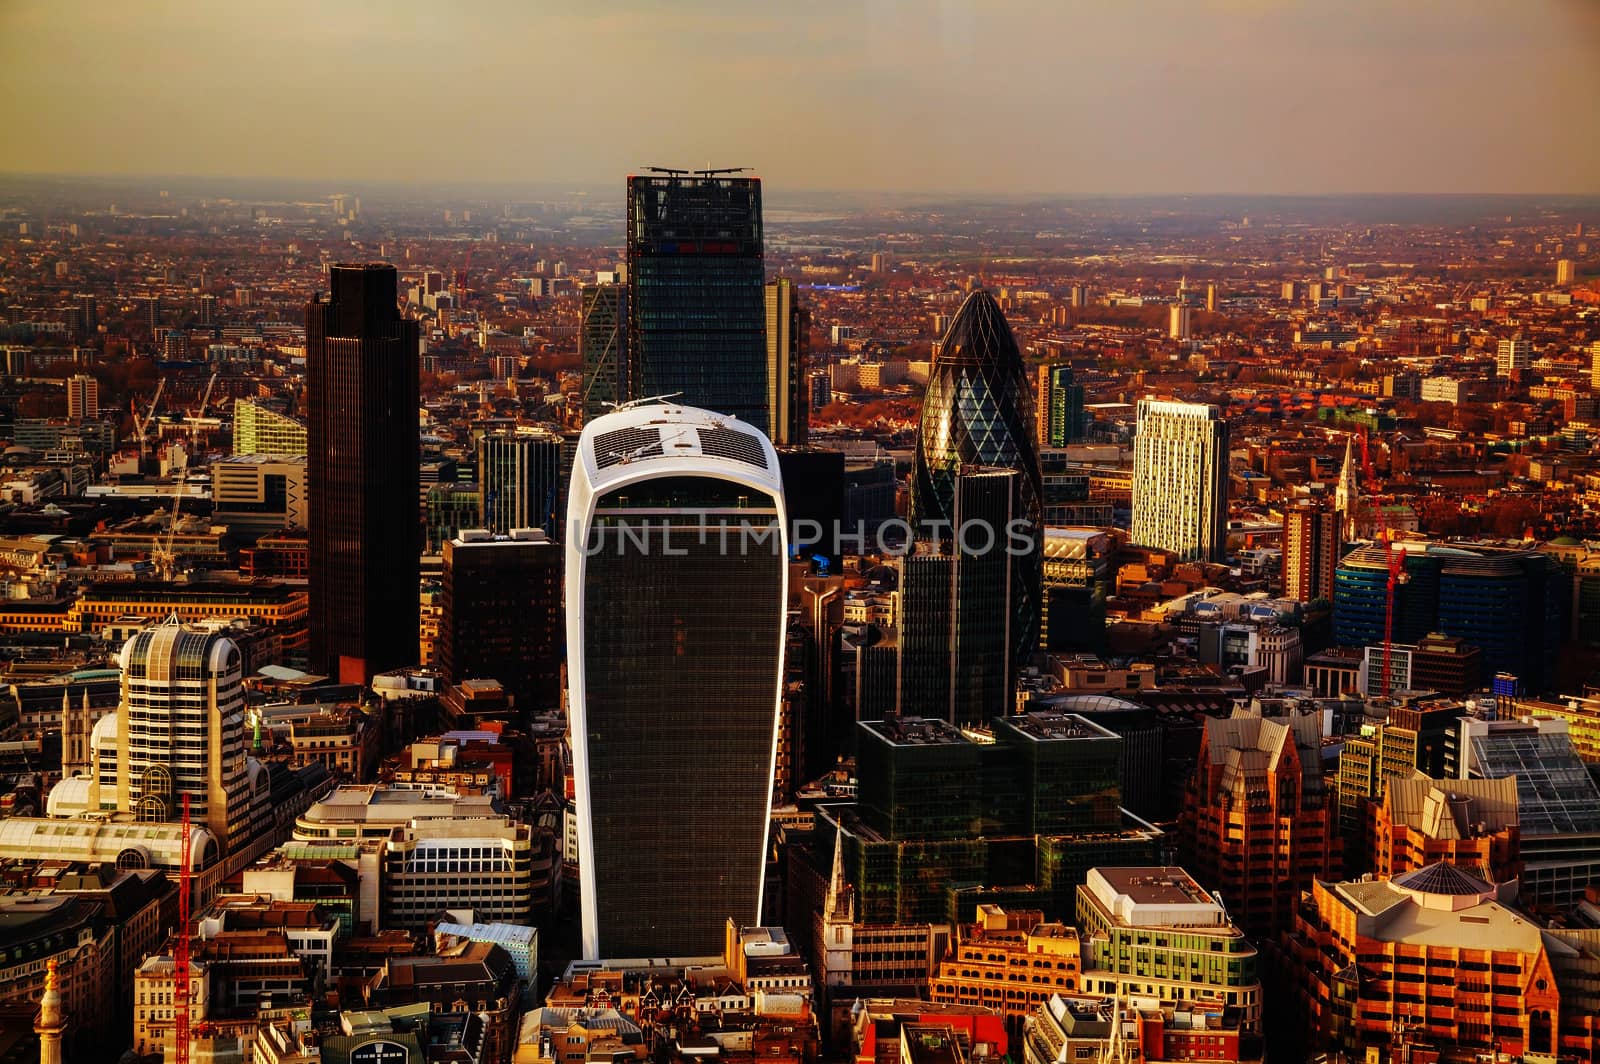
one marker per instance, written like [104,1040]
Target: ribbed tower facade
[677,583]
[978,412]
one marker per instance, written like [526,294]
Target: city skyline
[949,100]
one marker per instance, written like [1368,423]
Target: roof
[1449,921]
[639,438]
[1453,809]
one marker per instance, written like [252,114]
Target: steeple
[50,1023]
[1347,492]
[841,901]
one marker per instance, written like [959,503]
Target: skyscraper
[1566,272]
[83,397]
[362,396]
[1178,325]
[179,730]
[1058,413]
[1310,551]
[696,308]
[603,340]
[502,614]
[787,325]
[519,478]
[977,411]
[261,430]
[1180,479]
[677,582]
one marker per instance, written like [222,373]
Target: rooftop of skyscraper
[1044,726]
[916,731]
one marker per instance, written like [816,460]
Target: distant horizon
[336,186]
[941,98]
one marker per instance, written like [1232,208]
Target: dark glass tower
[519,477]
[696,293]
[361,399]
[603,340]
[677,583]
[978,411]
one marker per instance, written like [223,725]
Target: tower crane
[165,559]
[141,425]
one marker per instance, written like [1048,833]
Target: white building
[1513,355]
[1180,479]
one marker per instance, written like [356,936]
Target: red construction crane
[1397,576]
[180,966]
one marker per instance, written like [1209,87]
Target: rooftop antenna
[668,170]
[629,404]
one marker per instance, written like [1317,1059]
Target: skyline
[1430,98]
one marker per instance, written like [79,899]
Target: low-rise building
[1155,932]
[1008,961]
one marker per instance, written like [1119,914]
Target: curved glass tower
[978,412]
[677,580]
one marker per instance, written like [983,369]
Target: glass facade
[696,293]
[978,411]
[519,475]
[362,475]
[603,339]
[683,611]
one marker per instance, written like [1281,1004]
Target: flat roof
[916,731]
[1156,885]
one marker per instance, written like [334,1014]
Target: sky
[1066,97]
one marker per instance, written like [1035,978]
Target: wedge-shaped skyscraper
[676,589]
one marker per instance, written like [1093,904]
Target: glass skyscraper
[696,292]
[978,411]
[603,340]
[677,583]
[519,475]
[362,475]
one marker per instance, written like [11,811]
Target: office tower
[148,309]
[1473,824]
[1211,299]
[501,616]
[208,310]
[1066,492]
[1413,739]
[1566,272]
[1178,322]
[179,730]
[362,397]
[788,324]
[1513,355]
[813,496]
[1311,544]
[83,397]
[943,822]
[1257,821]
[677,587]
[977,412]
[1446,664]
[86,314]
[1436,953]
[1156,931]
[820,389]
[1558,801]
[1510,603]
[1058,414]
[603,343]
[1077,581]
[519,477]
[696,308]
[1180,479]
[956,610]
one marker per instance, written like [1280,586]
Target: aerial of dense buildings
[688,620]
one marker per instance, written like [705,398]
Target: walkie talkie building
[676,589]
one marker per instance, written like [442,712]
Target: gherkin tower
[978,412]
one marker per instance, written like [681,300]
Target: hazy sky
[1062,96]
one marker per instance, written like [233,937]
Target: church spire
[840,904]
[1347,492]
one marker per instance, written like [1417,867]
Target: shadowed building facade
[677,584]
[362,475]
[696,299]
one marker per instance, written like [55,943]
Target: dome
[1444,886]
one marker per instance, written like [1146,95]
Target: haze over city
[994,98]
